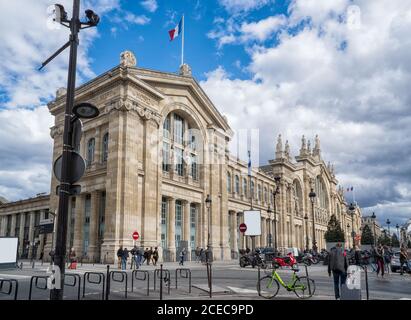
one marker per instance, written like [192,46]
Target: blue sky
[152,46]
[339,69]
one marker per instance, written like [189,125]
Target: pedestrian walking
[124,259]
[145,256]
[380,260]
[182,254]
[197,252]
[387,258]
[403,258]
[155,256]
[337,265]
[357,255]
[150,255]
[120,256]
[72,259]
[139,257]
[134,261]
[202,255]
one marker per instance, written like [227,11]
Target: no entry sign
[135,235]
[243,227]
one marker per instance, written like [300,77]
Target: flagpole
[182,42]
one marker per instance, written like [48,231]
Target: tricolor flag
[174,33]
[249,163]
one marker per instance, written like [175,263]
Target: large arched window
[237,184]
[321,192]
[180,144]
[90,150]
[105,147]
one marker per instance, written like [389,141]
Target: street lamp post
[375,235]
[312,196]
[388,222]
[306,232]
[208,205]
[75,25]
[269,211]
[275,192]
[352,211]
[348,228]
[398,233]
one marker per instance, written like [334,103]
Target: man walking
[338,264]
[120,256]
[155,256]
[182,254]
[379,255]
[124,259]
[403,258]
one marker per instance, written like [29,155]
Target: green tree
[367,236]
[394,241]
[384,239]
[334,232]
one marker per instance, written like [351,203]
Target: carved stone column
[78,225]
[94,223]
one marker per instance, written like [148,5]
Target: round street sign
[77,167]
[243,227]
[135,235]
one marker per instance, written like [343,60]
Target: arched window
[245,187]
[90,150]
[105,147]
[228,182]
[237,184]
[252,190]
[321,192]
[259,196]
[265,195]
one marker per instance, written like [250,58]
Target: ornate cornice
[56,131]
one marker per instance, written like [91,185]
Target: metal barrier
[101,278]
[187,274]
[135,274]
[167,279]
[10,282]
[77,279]
[36,284]
[124,276]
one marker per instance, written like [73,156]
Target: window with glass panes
[228,182]
[90,151]
[166,156]
[194,167]
[86,226]
[245,187]
[164,210]
[178,129]
[179,221]
[105,147]
[193,218]
[8,226]
[179,161]
[237,184]
[17,227]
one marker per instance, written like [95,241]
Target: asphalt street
[229,282]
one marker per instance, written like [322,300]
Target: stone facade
[136,178]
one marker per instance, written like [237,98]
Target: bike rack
[187,274]
[77,279]
[124,276]
[36,284]
[167,278]
[135,274]
[101,278]
[10,282]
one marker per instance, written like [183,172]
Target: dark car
[395,263]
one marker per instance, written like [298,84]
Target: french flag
[174,33]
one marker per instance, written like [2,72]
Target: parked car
[395,263]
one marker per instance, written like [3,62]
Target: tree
[334,232]
[384,239]
[367,236]
[394,241]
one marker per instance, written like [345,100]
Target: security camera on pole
[70,166]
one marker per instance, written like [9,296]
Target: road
[229,282]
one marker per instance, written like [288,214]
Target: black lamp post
[351,208]
[75,25]
[306,232]
[276,191]
[375,235]
[388,222]
[208,205]
[269,211]
[312,196]
[398,233]
[348,228]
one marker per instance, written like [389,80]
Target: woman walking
[380,260]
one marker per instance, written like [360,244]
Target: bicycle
[269,285]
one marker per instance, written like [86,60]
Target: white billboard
[8,250]
[252,219]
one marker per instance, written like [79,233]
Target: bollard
[161,281]
[308,279]
[258,282]
[366,281]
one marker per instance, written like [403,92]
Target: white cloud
[238,6]
[150,5]
[262,29]
[136,19]
[350,86]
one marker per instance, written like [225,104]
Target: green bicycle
[269,285]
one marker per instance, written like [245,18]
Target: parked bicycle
[269,285]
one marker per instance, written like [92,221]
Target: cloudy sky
[340,69]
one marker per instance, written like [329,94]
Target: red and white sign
[136,235]
[243,227]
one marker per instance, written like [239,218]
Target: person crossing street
[338,265]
